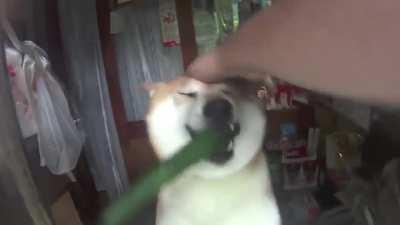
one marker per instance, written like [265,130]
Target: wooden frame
[126,129]
[136,130]
[111,69]
[187,33]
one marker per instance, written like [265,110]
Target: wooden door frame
[136,129]
[184,11]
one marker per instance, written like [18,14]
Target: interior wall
[141,55]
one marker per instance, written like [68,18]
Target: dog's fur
[237,192]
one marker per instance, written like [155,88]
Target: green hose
[201,147]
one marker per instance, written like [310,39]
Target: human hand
[218,65]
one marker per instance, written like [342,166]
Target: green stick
[202,147]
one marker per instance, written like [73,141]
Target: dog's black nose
[218,110]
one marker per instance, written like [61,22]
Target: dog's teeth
[230,146]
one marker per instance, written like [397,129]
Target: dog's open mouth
[231,130]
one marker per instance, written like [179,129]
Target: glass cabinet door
[214,20]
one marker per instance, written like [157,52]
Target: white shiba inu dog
[231,188]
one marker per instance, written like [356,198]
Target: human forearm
[342,47]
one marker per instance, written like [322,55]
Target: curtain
[80,36]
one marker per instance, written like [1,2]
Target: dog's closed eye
[189,94]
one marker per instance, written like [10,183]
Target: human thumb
[209,67]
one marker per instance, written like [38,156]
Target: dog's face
[181,108]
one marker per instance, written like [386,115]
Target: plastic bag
[19,90]
[60,142]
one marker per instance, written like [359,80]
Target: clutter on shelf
[291,132]
[279,95]
[299,158]
[300,208]
[343,156]
[374,201]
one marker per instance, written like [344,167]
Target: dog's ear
[247,87]
[151,87]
